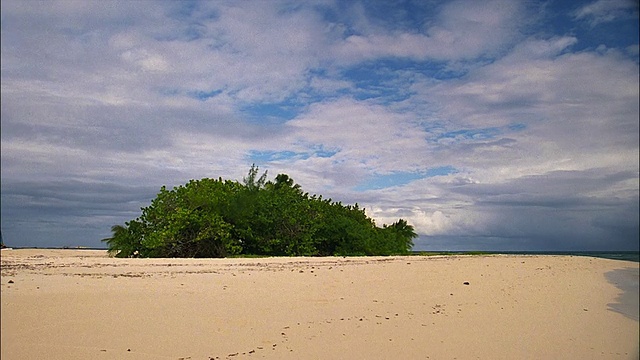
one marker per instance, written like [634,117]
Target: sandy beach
[81,304]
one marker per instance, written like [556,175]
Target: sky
[487,125]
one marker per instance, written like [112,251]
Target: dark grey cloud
[561,210]
[67,213]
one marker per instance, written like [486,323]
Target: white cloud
[368,135]
[461,31]
[602,11]
[579,111]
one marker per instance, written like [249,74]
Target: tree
[217,218]
[284,181]
[251,182]
[123,242]
[400,236]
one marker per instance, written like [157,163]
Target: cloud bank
[487,125]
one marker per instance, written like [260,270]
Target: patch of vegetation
[220,218]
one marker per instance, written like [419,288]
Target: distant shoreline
[613,255]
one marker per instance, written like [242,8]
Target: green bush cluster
[219,218]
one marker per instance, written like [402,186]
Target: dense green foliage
[218,218]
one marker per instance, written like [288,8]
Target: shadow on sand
[628,302]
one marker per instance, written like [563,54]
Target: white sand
[80,304]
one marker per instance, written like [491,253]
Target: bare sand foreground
[80,304]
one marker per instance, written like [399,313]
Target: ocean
[615,255]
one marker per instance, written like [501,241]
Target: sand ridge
[77,304]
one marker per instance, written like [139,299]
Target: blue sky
[488,125]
